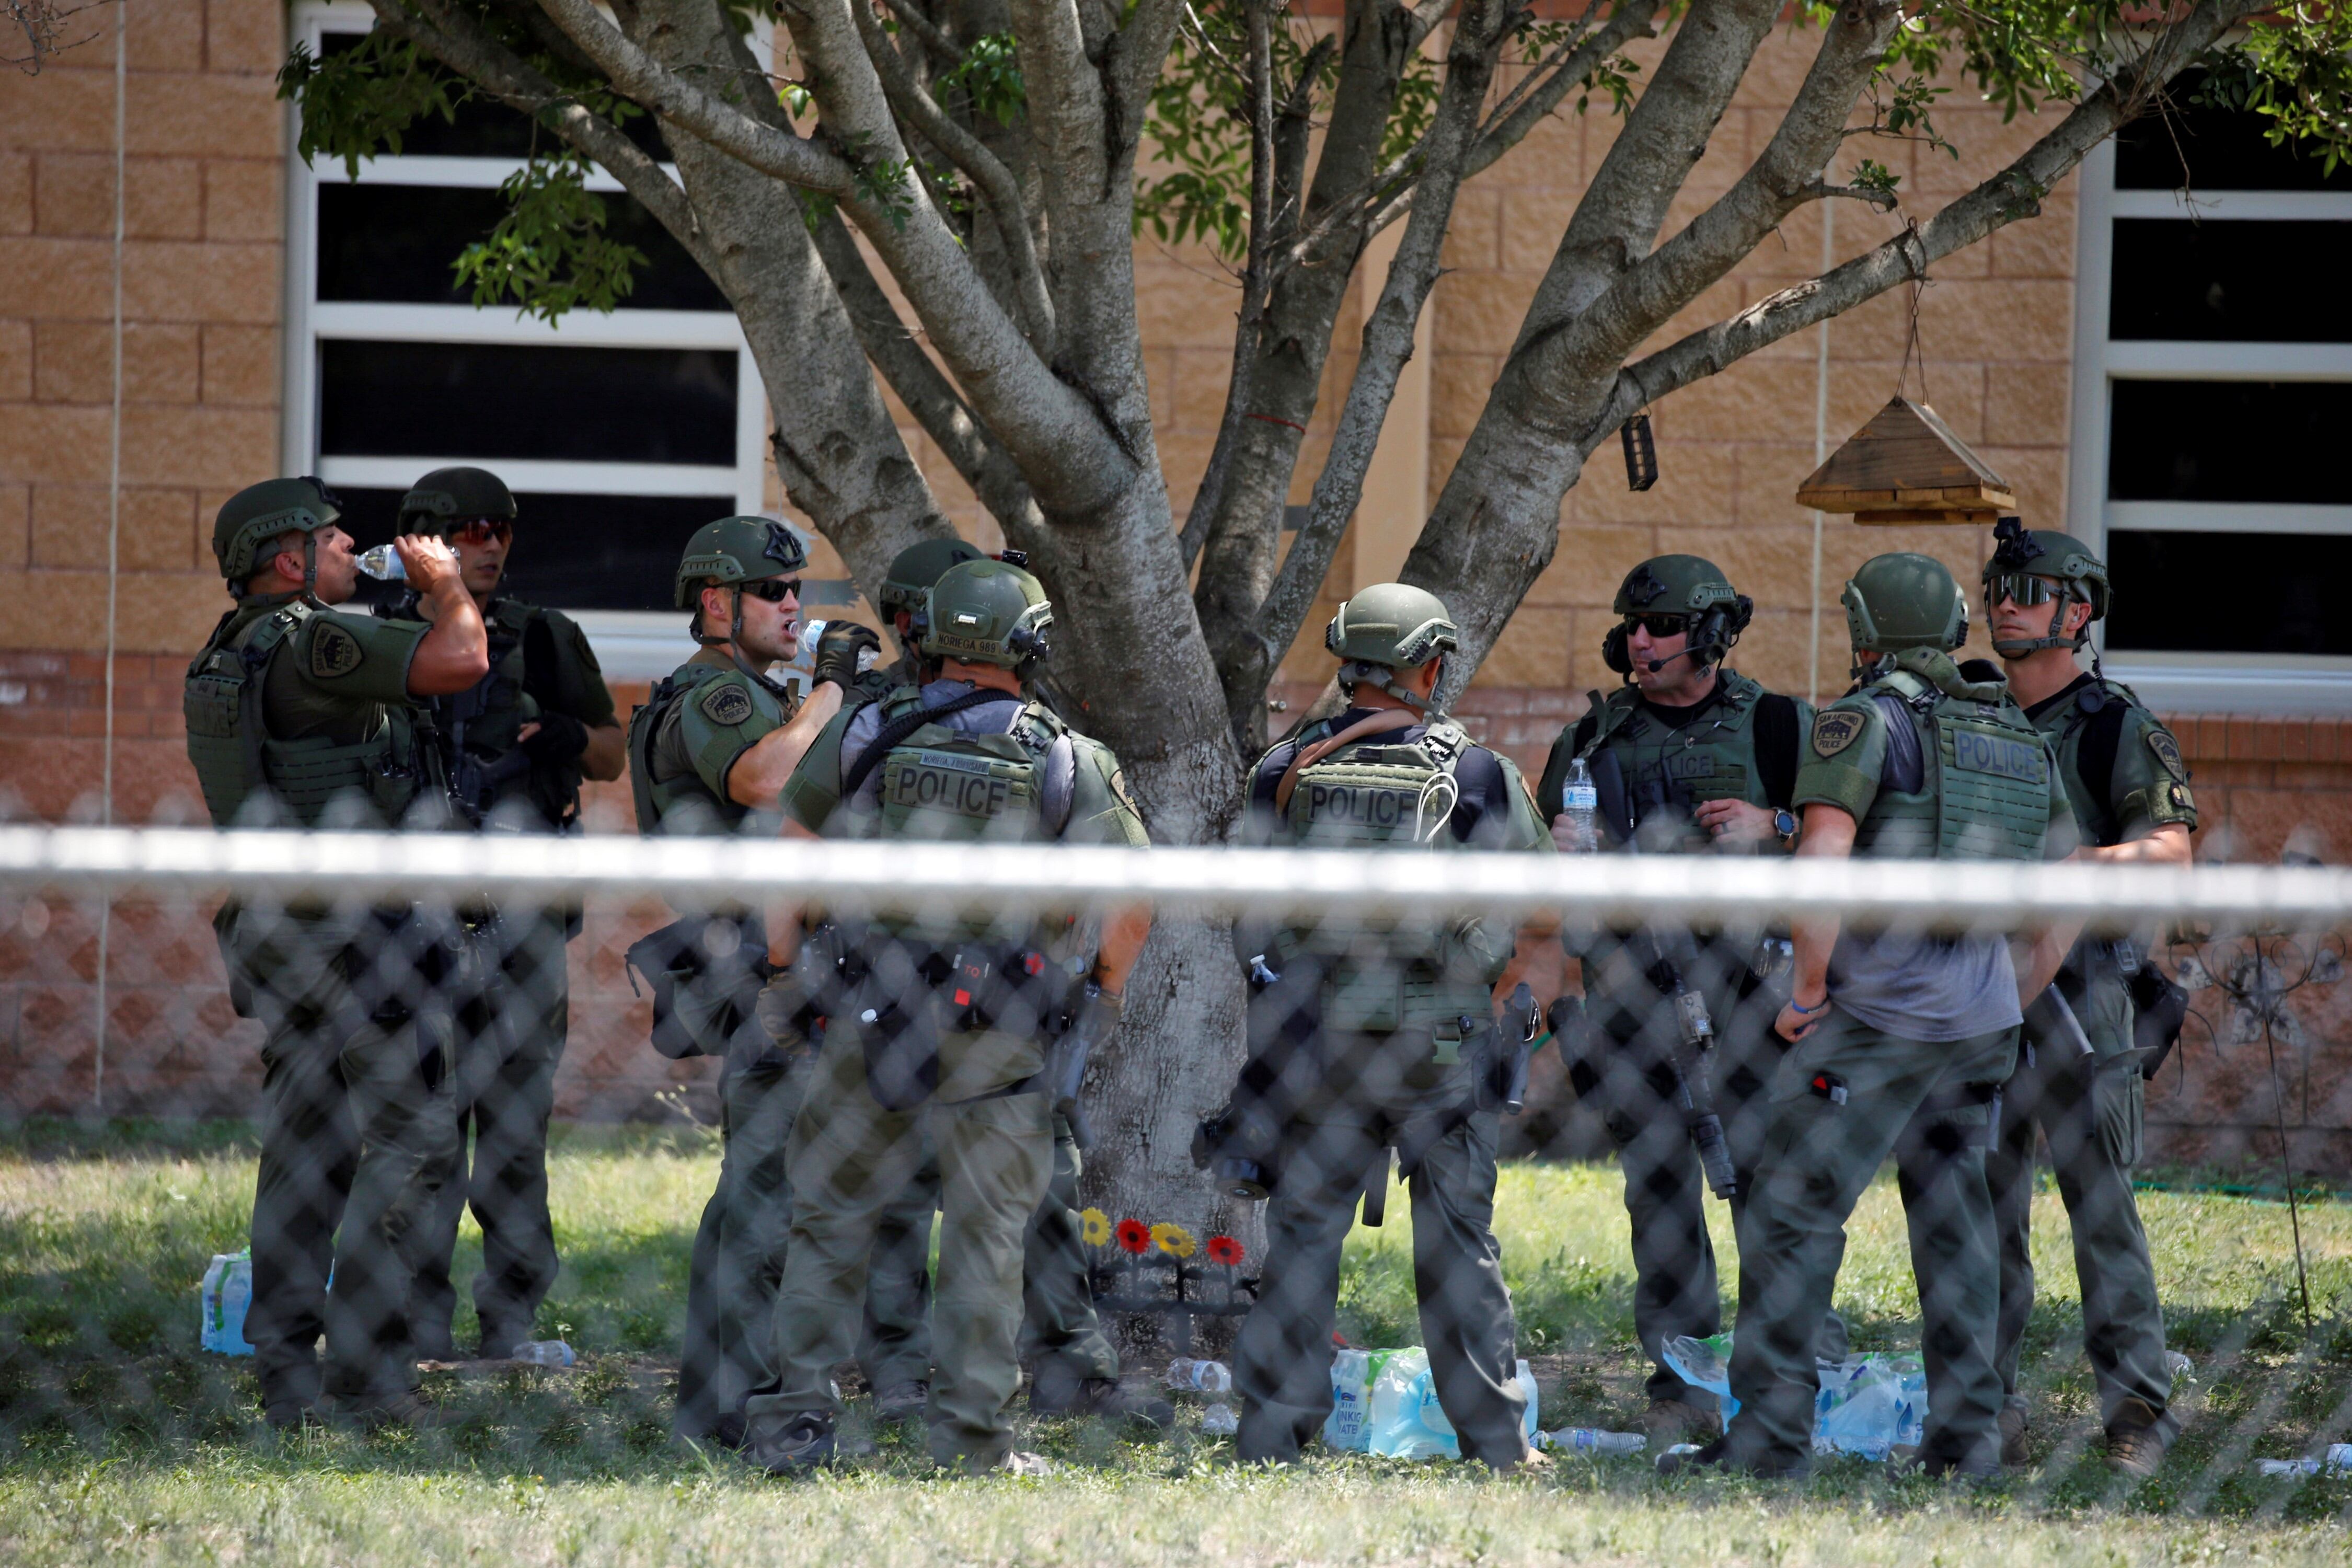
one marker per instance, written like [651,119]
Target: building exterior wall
[202,280]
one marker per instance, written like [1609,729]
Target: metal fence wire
[862,1187]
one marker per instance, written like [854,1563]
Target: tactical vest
[1671,772]
[1380,977]
[943,783]
[481,727]
[2089,785]
[236,758]
[658,800]
[1985,778]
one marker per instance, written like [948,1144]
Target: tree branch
[1571,62]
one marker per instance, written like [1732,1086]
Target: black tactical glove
[561,738]
[837,651]
[783,1010]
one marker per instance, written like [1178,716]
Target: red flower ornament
[1224,1249]
[1134,1237]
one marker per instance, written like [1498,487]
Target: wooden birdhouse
[1906,465]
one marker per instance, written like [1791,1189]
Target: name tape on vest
[1998,755]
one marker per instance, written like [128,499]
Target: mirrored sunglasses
[481,530]
[2022,588]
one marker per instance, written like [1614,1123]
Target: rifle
[1506,1071]
[1694,1094]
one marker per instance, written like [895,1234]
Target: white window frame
[2185,682]
[631,645]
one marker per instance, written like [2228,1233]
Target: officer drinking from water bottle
[962,1034]
[707,753]
[2125,777]
[1372,1034]
[515,746]
[297,712]
[1672,1041]
[1896,1027]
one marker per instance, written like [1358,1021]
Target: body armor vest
[942,783]
[482,726]
[660,799]
[2067,728]
[236,757]
[1985,778]
[1671,772]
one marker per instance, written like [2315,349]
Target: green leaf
[550,253]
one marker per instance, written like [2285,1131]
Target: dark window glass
[397,243]
[2222,150]
[497,400]
[485,127]
[2219,281]
[2276,441]
[2164,600]
[572,552]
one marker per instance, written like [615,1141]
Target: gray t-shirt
[1918,985]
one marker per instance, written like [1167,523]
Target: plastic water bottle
[384,563]
[2337,1459]
[544,1353]
[1580,809]
[1188,1376]
[1591,1440]
[227,1293]
[1219,1420]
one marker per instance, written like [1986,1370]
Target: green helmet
[258,514]
[915,569]
[1687,585]
[2020,553]
[985,612]
[1904,601]
[447,495]
[736,550]
[1392,624]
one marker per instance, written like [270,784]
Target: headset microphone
[1656,665]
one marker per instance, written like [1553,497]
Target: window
[2213,392]
[619,434]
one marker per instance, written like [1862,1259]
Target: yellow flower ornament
[1172,1239]
[1094,1226]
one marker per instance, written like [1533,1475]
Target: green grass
[119,1441]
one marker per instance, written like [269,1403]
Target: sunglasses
[2022,588]
[1659,626]
[481,530]
[776,590]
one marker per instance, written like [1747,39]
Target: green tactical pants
[1282,1362]
[850,1158]
[1675,1290]
[2088,1108]
[510,1044]
[1819,1156]
[1058,1304]
[727,1351]
[357,1128]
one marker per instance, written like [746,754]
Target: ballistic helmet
[449,496]
[1904,601]
[1687,585]
[1392,624]
[256,515]
[736,550]
[915,569]
[985,612]
[2074,575]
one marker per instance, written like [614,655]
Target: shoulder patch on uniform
[1118,787]
[2168,751]
[334,651]
[725,703]
[1835,730]
[2180,797]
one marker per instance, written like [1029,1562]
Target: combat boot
[787,1446]
[1057,1391]
[1719,1457]
[2013,1426]
[1671,1421]
[411,1408]
[2136,1443]
[903,1401]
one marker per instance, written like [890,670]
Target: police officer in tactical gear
[297,712]
[2125,777]
[969,1030]
[1366,1034]
[1073,1368]
[1900,1040]
[1690,757]
[515,747]
[708,751]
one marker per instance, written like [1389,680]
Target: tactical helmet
[2019,552]
[736,550]
[1689,586]
[1904,601]
[258,514]
[447,495]
[915,569]
[1392,624]
[985,612]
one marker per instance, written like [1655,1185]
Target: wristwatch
[1784,823]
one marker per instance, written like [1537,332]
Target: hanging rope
[1916,254]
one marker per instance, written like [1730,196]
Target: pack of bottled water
[224,1297]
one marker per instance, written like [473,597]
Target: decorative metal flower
[1094,1226]
[1134,1237]
[1172,1239]
[1224,1249]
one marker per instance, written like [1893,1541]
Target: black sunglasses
[776,590]
[1659,626]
